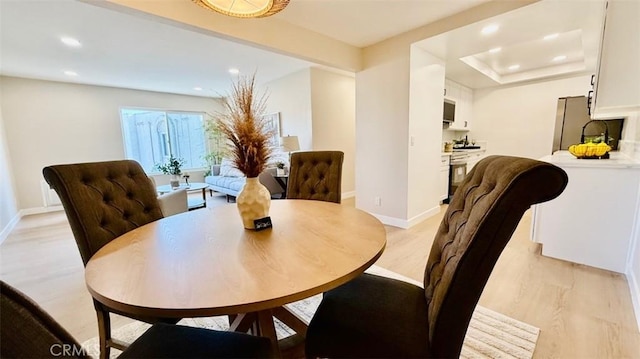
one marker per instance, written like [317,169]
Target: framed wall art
[273,124]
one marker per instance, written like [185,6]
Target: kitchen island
[593,221]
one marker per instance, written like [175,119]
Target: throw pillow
[228,170]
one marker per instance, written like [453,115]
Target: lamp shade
[290,143]
[244,8]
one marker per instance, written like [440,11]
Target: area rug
[490,334]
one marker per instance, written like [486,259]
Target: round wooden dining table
[204,263]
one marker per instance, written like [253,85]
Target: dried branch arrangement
[243,126]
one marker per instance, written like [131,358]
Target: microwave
[449,112]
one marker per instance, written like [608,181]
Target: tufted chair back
[103,200]
[482,216]
[27,331]
[316,175]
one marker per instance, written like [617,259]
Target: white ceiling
[521,37]
[122,50]
[365,22]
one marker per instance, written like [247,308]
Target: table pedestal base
[261,323]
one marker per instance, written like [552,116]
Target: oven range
[462,161]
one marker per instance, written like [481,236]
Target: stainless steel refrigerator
[572,116]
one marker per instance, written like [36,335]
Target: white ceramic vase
[175,181]
[253,202]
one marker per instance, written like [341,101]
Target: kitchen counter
[592,222]
[459,150]
[616,160]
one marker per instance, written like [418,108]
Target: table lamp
[290,143]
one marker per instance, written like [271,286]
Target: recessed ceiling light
[197,88]
[559,58]
[70,41]
[490,29]
[234,71]
[70,73]
[551,36]
[495,50]
[514,67]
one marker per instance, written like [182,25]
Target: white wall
[631,147]
[8,205]
[318,106]
[52,122]
[291,96]
[633,272]
[382,128]
[333,103]
[519,120]
[425,134]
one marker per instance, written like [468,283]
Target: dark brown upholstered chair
[373,316]
[27,331]
[316,175]
[102,201]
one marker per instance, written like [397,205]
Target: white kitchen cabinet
[451,90]
[474,158]
[463,97]
[617,82]
[592,221]
[444,177]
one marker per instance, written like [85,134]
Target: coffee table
[193,203]
[204,263]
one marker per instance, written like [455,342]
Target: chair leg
[104,332]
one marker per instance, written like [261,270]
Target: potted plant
[217,142]
[172,167]
[247,137]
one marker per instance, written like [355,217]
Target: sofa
[225,178]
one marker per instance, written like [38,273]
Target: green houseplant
[216,141]
[172,167]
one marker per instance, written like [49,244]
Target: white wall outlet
[377,201]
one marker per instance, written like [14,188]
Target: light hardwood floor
[582,312]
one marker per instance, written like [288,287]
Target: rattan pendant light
[244,8]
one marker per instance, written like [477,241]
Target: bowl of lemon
[590,150]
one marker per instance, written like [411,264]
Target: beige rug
[490,334]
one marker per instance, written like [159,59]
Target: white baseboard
[38,210]
[392,221]
[407,223]
[424,215]
[348,194]
[25,212]
[634,288]
[9,227]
